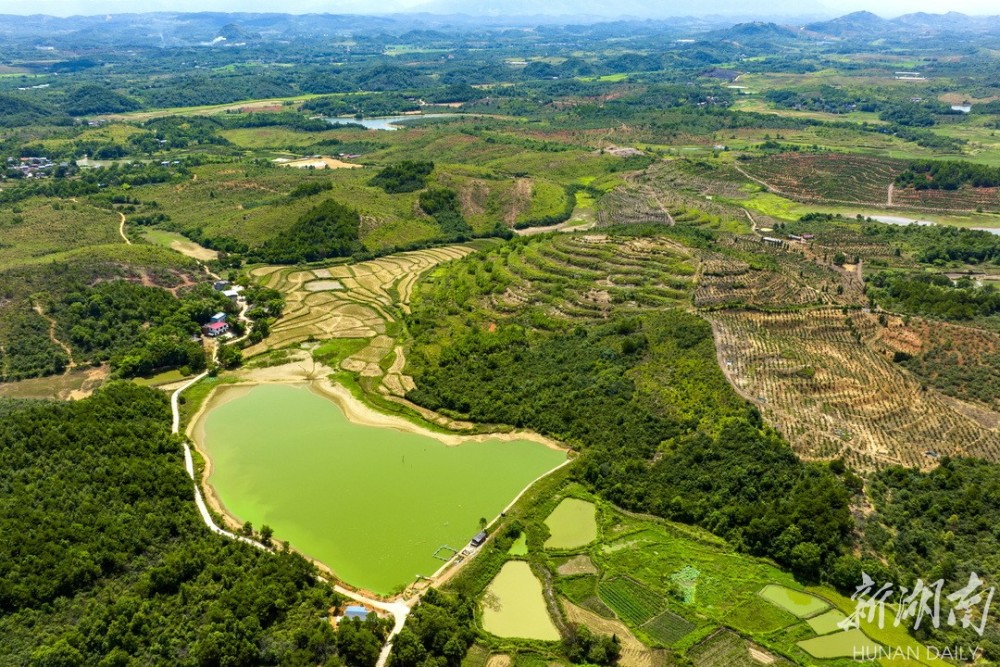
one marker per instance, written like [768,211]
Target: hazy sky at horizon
[887,8]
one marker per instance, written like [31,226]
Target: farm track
[71,364]
[121,228]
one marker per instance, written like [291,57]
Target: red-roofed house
[215,329]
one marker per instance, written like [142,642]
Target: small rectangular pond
[374,504]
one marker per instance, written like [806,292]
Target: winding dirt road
[70,364]
[121,228]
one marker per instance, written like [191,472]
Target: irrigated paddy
[514,606]
[372,503]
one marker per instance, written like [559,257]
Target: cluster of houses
[801,238]
[227,289]
[217,324]
[31,167]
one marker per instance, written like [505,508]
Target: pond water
[801,604]
[572,524]
[388,123]
[514,606]
[520,546]
[895,220]
[827,622]
[372,503]
[841,644]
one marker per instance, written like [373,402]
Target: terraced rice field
[352,301]
[822,379]
[826,623]
[840,645]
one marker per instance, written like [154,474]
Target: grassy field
[36,230]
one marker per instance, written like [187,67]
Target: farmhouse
[232,294]
[215,329]
[220,285]
[218,317]
[479,538]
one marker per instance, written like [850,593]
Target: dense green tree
[407,176]
[327,230]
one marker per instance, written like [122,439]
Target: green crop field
[668,628]
[631,601]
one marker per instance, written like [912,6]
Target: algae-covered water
[514,605]
[801,604]
[372,503]
[572,524]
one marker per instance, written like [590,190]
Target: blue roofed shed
[356,611]
[218,317]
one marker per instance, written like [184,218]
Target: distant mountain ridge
[171,29]
[868,25]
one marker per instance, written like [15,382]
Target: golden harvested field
[823,379]
[634,652]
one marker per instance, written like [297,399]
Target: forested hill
[105,562]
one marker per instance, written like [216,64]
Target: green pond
[514,606]
[572,524]
[520,546]
[840,645]
[801,604]
[374,504]
[826,623]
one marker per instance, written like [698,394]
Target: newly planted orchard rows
[819,380]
